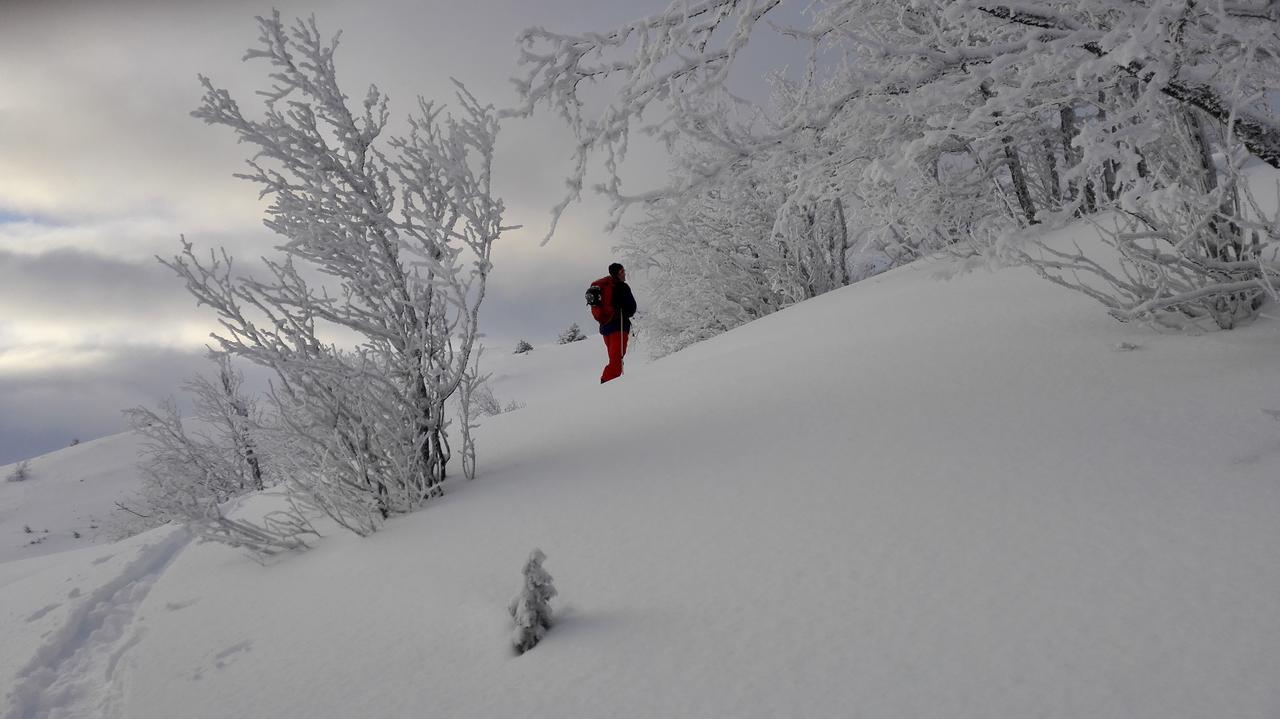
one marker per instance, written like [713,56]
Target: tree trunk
[1108,165]
[242,438]
[1135,94]
[1067,132]
[1016,172]
[1019,176]
[841,245]
[1051,169]
[1225,241]
[1089,200]
[1204,152]
[808,273]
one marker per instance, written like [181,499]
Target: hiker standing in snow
[613,308]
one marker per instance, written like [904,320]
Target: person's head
[618,272]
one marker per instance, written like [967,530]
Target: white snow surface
[907,498]
[71,491]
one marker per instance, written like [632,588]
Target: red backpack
[600,299]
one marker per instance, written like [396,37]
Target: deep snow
[906,498]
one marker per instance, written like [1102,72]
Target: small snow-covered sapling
[573,334]
[531,606]
[21,472]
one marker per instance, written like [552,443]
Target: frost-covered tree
[399,232]
[969,124]
[1135,133]
[193,468]
[757,239]
[938,55]
[530,608]
[523,347]
[573,334]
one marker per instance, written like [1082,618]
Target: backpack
[600,300]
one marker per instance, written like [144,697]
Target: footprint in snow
[220,659]
[39,613]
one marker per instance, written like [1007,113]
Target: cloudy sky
[102,168]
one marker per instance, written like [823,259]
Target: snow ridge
[73,673]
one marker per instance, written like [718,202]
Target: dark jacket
[625,304]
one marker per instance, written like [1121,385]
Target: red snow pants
[616,344]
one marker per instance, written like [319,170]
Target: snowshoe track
[73,674]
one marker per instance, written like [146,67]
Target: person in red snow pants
[616,344]
[616,329]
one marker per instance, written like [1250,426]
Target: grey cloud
[99,122]
[44,411]
[133,239]
[100,127]
[70,284]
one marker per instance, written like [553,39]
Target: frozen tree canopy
[960,125]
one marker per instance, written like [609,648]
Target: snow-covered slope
[68,498]
[904,498]
[543,375]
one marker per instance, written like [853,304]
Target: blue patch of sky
[14,217]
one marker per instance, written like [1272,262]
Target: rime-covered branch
[388,239]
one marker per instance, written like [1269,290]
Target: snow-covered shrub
[523,347]
[192,469]
[530,608]
[1179,264]
[573,334]
[21,471]
[487,404]
[400,231]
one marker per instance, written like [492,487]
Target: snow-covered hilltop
[907,497]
